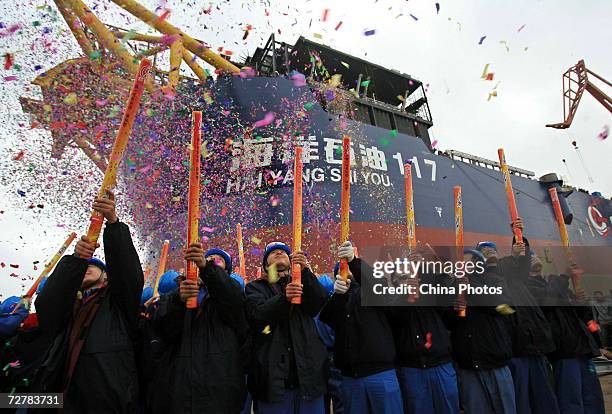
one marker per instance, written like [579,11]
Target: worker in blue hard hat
[89,309]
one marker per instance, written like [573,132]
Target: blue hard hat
[327,283]
[94,261]
[486,244]
[9,304]
[476,254]
[239,279]
[167,282]
[224,254]
[270,248]
[147,293]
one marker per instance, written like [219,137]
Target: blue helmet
[270,248]
[9,304]
[327,283]
[239,279]
[94,261]
[41,285]
[483,244]
[226,257]
[476,254]
[147,293]
[167,282]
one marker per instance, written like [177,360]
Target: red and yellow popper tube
[510,195]
[49,267]
[193,207]
[161,268]
[459,237]
[296,270]
[554,197]
[410,222]
[345,200]
[123,135]
[242,269]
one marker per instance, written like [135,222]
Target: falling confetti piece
[8,61]
[325,14]
[481,40]
[521,28]
[338,25]
[267,120]
[393,133]
[604,133]
[505,45]
[490,76]
[414,17]
[369,32]
[317,35]
[428,336]
[346,65]
[164,15]
[485,71]
[437,8]
[10,78]
[434,143]
[71,98]
[19,156]
[255,240]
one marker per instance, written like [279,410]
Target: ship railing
[486,163]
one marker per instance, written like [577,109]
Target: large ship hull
[246,175]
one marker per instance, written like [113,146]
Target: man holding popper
[207,374]
[364,350]
[288,368]
[531,334]
[482,347]
[89,310]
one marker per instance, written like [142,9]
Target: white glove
[346,251]
[340,286]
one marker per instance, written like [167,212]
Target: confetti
[19,156]
[369,32]
[325,14]
[164,15]
[267,120]
[10,78]
[428,336]
[484,72]
[414,17]
[393,133]
[437,8]
[338,25]
[8,61]
[481,40]
[604,133]
[521,28]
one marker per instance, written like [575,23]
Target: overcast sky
[441,50]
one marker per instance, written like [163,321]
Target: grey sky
[441,50]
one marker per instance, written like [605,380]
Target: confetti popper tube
[459,236]
[161,268]
[110,175]
[296,270]
[409,207]
[554,197]
[193,207]
[410,223]
[242,269]
[345,200]
[510,194]
[49,267]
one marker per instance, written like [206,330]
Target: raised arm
[225,292]
[55,302]
[125,277]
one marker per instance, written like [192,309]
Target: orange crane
[575,82]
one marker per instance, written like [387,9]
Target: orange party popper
[242,269]
[296,270]
[110,175]
[49,267]
[161,268]
[510,195]
[459,238]
[410,222]
[193,207]
[554,197]
[345,200]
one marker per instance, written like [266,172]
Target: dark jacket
[364,338]
[207,375]
[481,339]
[413,324]
[104,378]
[287,350]
[531,334]
[568,323]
